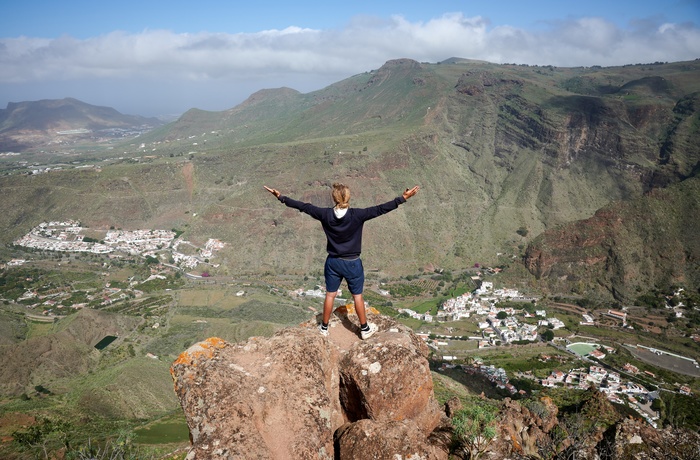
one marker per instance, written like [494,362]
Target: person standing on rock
[343,228]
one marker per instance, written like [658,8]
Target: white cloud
[278,57]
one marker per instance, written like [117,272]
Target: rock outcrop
[522,431]
[635,439]
[593,429]
[299,395]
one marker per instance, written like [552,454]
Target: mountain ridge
[588,177]
[502,153]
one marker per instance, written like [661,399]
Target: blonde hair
[341,195]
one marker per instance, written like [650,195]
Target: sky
[154,57]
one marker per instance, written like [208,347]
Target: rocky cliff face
[300,395]
[627,246]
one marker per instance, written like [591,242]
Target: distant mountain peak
[29,123]
[270,94]
[403,62]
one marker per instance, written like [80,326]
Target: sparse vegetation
[475,428]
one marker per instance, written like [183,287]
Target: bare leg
[328,306]
[360,308]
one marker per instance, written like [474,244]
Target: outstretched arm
[306,208]
[366,214]
[273,191]
[410,192]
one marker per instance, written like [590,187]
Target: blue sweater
[344,235]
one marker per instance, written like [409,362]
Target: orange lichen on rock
[204,349]
[349,309]
[517,447]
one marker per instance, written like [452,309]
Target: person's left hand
[410,192]
[273,191]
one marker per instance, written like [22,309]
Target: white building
[486,286]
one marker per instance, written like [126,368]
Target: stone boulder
[523,431]
[634,438]
[369,439]
[287,396]
[373,383]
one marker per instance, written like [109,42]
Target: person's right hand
[273,191]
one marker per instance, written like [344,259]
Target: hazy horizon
[162,58]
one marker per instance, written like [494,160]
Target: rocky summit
[300,395]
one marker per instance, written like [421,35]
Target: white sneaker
[367,334]
[324,332]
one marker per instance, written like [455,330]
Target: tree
[502,315]
[474,427]
[548,335]
[659,406]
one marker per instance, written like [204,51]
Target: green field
[165,431]
[582,349]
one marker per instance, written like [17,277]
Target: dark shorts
[352,270]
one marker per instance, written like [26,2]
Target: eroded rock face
[523,431]
[368,439]
[285,397]
[388,380]
[299,395]
[267,398]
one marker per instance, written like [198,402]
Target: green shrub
[474,427]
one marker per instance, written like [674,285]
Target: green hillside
[501,152]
